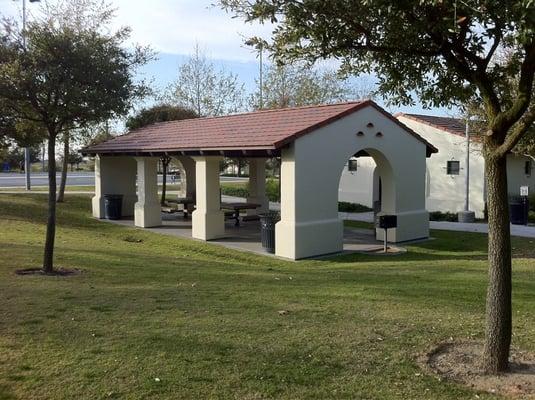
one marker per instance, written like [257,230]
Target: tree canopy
[66,78]
[445,53]
[62,76]
[202,87]
[430,49]
[158,113]
[296,84]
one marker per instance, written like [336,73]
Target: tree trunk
[48,259]
[498,314]
[64,167]
[165,164]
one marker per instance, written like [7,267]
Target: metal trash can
[519,211]
[267,230]
[113,206]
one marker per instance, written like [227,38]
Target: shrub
[344,206]
[443,216]
[236,191]
[272,189]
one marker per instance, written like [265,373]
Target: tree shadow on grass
[6,393]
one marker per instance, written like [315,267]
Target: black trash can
[267,230]
[519,211]
[113,206]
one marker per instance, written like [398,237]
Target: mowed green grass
[157,317]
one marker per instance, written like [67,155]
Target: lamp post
[467,181]
[258,44]
[466,215]
[27,163]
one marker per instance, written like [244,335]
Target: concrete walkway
[516,230]
[246,237]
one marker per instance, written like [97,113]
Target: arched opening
[372,183]
[367,179]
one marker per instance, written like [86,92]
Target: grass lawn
[157,317]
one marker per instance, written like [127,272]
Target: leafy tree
[96,134]
[297,84]
[78,16]
[65,78]
[74,158]
[160,113]
[14,156]
[202,88]
[475,109]
[444,53]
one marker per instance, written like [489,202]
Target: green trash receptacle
[267,230]
[113,206]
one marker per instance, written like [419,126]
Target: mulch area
[460,362]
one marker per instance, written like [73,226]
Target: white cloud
[175,26]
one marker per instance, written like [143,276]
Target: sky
[173,27]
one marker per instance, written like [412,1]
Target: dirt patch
[57,272]
[132,239]
[460,362]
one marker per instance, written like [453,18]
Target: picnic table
[237,207]
[186,202]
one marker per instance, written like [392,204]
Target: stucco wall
[115,175]
[357,186]
[443,192]
[311,170]
[447,192]
[516,175]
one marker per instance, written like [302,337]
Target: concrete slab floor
[246,237]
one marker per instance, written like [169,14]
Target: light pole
[466,215]
[27,163]
[258,44]
[467,181]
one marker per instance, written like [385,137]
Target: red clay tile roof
[454,126]
[261,130]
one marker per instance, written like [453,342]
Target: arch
[379,181]
[310,174]
[186,166]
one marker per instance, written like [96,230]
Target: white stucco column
[309,222]
[208,221]
[257,185]
[148,208]
[114,175]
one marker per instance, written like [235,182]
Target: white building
[445,172]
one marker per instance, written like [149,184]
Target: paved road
[14,180]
